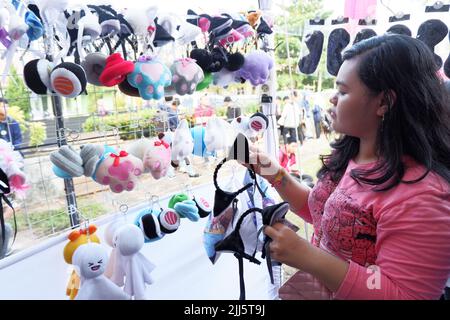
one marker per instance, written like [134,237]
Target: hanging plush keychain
[90,260]
[186,75]
[130,268]
[11,162]
[155,224]
[256,68]
[218,135]
[76,239]
[154,153]
[105,165]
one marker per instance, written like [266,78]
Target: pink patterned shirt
[404,232]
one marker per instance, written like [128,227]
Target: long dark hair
[417,123]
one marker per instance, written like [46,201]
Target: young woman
[381,207]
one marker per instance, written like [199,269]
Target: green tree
[298,12]
[17,94]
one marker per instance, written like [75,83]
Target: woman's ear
[387,102]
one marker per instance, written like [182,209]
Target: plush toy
[67,163]
[103,164]
[128,240]
[119,170]
[256,68]
[93,65]
[11,162]
[218,135]
[206,82]
[114,269]
[187,209]
[68,80]
[155,224]
[150,76]
[224,78]
[36,74]
[90,260]
[76,239]
[182,143]
[186,75]
[184,206]
[235,61]
[155,155]
[250,126]
[116,70]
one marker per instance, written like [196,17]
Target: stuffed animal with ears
[103,164]
[150,77]
[130,268]
[154,153]
[11,162]
[186,75]
[256,68]
[90,260]
[77,238]
[182,143]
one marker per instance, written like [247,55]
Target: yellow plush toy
[76,239]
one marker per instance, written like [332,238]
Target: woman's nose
[333,100]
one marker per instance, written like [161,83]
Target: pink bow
[116,157]
[161,143]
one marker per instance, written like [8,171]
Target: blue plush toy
[150,76]
[198,134]
[187,209]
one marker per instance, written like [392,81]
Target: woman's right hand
[263,164]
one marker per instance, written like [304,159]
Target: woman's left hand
[286,246]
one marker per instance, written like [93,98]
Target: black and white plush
[337,41]
[432,32]
[93,65]
[36,74]
[314,41]
[258,122]
[68,80]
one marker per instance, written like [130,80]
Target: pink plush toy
[154,153]
[119,170]
[11,162]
